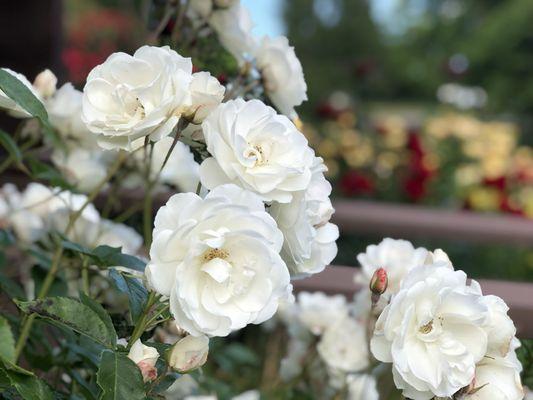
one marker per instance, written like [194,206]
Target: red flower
[415,188]
[499,183]
[353,183]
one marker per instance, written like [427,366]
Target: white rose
[309,236]
[397,257]
[498,378]
[291,365]
[500,327]
[83,168]
[13,108]
[257,149]
[344,346]
[218,260]
[432,332]
[317,311]
[206,94]
[30,209]
[145,357]
[119,235]
[189,353]
[233,26]
[45,83]
[85,230]
[362,387]
[64,113]
[282,74]
[180,170]
[132,97]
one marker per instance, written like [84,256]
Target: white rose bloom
[45,83]
[233,26]
[30,209]
[344,346]
[282,74]
[85,230]
[498,378]
[133,97]
[180,170]
[218,260]
[83,168]
[257,149]
[11,106]
[500,327]
[119,235]
[206,94]
[64,113]
[432,332]
[317,311]
[189,353]
[309,236]
[398,257]
[362,387]
[145,357]
[291,365]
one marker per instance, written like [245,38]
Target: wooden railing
[410,221]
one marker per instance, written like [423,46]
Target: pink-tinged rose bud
[379,282]
[189,353]
[145,357]
[148,371]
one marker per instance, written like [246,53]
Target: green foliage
[119,378]
[137,294]
[73,315]
[525,355]
[28,387]
[106,256]
[7,343]
[11,147]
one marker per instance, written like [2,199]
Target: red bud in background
[379,282]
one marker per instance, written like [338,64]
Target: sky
[267,14]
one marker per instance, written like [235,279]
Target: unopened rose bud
[378,284]
[145,357]
[45,83]
[379,281]
[189,353]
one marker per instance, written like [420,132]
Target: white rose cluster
[273,57]
[443,337]
[328,327]
[38,210]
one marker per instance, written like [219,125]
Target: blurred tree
[338,43]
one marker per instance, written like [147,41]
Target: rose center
[211,254]
[427,328]
[257,153]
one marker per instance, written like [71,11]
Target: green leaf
[7,342]
[29,387]
[11,147]
[133,288]
[102,313]
[113,257]
[45,172]
[10,287]
[17,91]
[107,256]
[119,378]
[71,314]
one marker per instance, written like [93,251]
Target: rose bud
[145,357]
[45,83]
[378,284]
[379,281]
[189,353]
